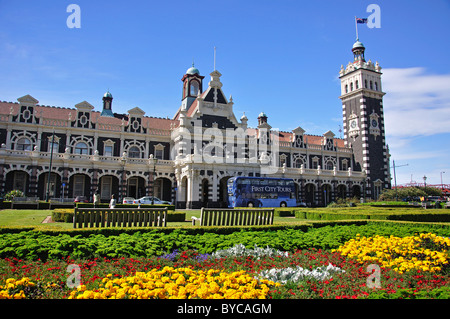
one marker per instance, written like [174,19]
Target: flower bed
[426,252]
[243,264]
[311,273]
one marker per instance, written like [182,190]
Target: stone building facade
[189,158]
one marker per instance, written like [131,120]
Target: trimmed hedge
[106,205]
[417,216]
[147,242]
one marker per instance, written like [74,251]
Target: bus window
[264,182]
[273,195]
[273,182]
[281,183]
[292,195]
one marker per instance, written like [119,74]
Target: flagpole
[356,26]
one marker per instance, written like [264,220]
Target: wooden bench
[25,200]
[119,217]
[234,217]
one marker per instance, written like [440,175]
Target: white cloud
[416,103]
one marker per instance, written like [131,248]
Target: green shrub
[106,205]
[146,242]
[14,193]
[63,215]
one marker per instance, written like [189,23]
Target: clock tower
[362,110]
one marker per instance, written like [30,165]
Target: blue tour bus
[261,192]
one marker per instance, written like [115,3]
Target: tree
[408,193]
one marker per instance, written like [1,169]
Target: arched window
[298,163]
[81,148]
[23,144]
[346,88]
[357,84]
[329,166]
[194,88]
[134,152]
[371,85]
[376,86]
[351,86]
[365,84]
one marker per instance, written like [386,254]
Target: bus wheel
[250,204]
[283,204]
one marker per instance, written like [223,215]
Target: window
[315,163]
[78,185]
[376,86]
[159,154]
[371,85]
[346,88]
[81,148]
[55,145]
[52,186]
[365,84]
[357,84]
[134,152]
[159,151]
[351,86]
[23,144]
[108,150]
[194,88]
[344,165]
[282,160]
[105,192]
[330,166]
[298,163]
[20,181]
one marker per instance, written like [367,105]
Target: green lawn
[18,217]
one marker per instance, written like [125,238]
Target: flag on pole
[361,20]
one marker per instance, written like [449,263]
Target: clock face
[374,123]
[353,124]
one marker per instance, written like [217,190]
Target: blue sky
[281,57]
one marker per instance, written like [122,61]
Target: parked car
[148,200]
[128,200]
[81,199]
[301,203]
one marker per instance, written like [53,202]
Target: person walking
[112,203]
[96,199]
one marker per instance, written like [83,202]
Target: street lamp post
[153,161]
[442,183]
[50,168]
